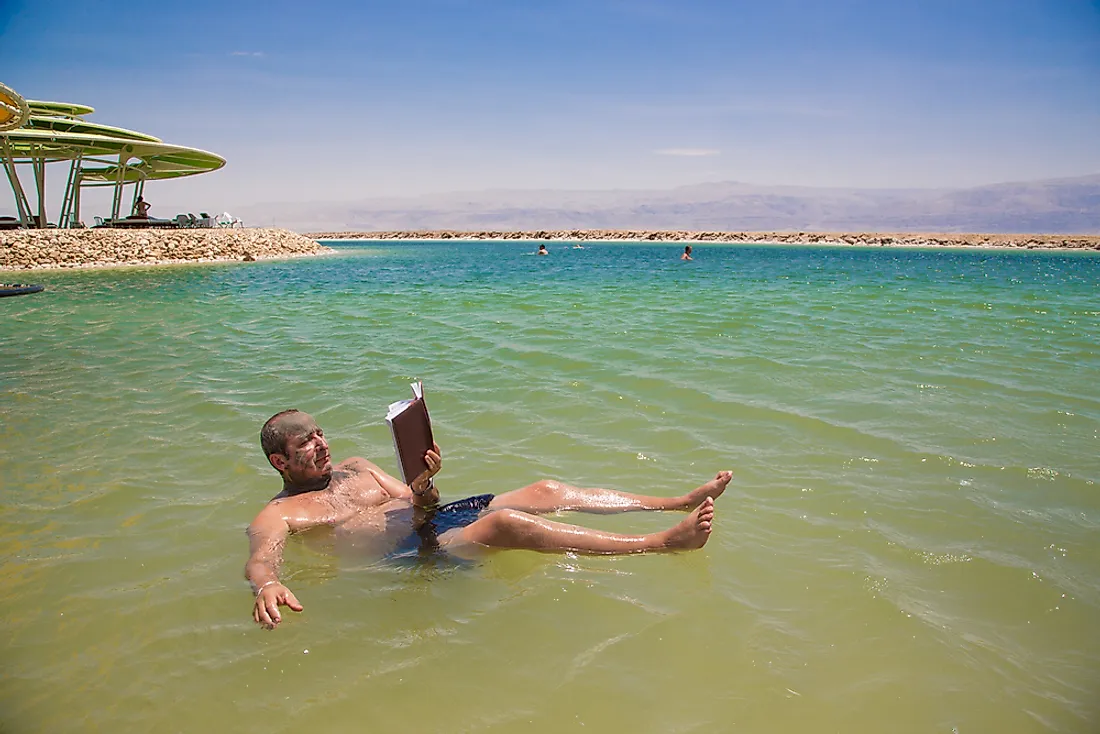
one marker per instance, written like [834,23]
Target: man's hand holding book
[423,488]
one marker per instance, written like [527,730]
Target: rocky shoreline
[39,249]
[884,239]
[85,248]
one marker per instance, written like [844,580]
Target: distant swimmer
[578,246]
[687,253]
[356,499]
[542,250]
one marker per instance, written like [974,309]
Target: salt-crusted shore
[37,249]
[84,248]
[887,239]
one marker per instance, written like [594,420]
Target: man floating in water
[356,496]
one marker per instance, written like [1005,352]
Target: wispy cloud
[246,53]
[688,152]
[702,106]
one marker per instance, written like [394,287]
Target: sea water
[911,542]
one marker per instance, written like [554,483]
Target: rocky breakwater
[81,248]
[880,239]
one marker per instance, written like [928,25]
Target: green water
[910,543]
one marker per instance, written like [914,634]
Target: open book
[412,433]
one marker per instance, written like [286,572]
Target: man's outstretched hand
[266,610]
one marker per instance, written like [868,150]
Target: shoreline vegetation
[882,239]
[50,249]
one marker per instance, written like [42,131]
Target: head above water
[274,434]
[296,447]
[687,249]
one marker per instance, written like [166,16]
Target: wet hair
[687,248]
[273,435]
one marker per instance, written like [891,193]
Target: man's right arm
[266,537]
[421,492]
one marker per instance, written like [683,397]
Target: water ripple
[912,525]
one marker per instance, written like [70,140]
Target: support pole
[40,182]
[21,202]
[119,183]
[76,200]
[139,187]
[66,218]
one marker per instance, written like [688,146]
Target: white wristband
[265,584]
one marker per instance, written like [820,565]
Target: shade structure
[98,155]
[14,110]
[145,158]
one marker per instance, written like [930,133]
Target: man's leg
[549,495]
[509,528]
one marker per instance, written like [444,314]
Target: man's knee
[507,519]
[547,487]
[505,527]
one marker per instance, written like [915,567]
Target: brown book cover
[411,427]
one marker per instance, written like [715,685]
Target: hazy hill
[1057,206]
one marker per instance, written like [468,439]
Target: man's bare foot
[693,531]
[713,489]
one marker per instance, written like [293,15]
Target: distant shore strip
[48,249]
[882,239]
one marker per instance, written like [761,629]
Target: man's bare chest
[356,499]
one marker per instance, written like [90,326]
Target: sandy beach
[884,239]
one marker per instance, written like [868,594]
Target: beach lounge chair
[183,221]
[225,219]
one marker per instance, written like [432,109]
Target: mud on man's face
[307,451]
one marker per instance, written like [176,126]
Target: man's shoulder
[281,502]
[295,512]
[356,464]
[279,507]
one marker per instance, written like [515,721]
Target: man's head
[295,446]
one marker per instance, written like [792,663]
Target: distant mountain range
[1056,206]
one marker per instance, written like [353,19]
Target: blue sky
[348,100]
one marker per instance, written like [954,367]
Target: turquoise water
[910,543]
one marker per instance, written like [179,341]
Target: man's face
[307,456]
